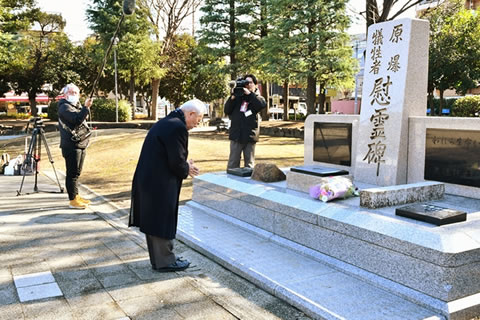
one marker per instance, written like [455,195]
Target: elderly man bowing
[161,168]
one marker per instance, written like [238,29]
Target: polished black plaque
[241,172]
[332,143]
[319,171]
[453,156]
[431,213]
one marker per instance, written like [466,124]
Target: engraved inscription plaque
[431,213]
[332,143]
[453,156]
[319,171]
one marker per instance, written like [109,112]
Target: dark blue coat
[161,168]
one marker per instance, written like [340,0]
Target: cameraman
[242,108]
[71,116]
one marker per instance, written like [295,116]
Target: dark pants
[236,150]
[160,251]
[73,163]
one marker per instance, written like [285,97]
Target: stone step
[315,287]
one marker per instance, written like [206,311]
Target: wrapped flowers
[333,188]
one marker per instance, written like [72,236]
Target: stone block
[401,194]
[238,209]
[302,182]
[438,262]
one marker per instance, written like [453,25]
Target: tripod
[34,153]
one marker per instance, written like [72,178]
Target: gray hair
[68,87]
[193,105]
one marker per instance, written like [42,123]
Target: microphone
[128,7]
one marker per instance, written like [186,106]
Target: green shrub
[468,106]
[15,116]
[104,110]
[299,116]
[52,112]
[22,116]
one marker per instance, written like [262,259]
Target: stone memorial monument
[394,88]
[403,237]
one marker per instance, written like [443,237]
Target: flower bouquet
[333,188]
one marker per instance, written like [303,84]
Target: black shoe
[178,265]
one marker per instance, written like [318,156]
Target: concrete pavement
[61,263]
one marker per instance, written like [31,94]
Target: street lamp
[115,42]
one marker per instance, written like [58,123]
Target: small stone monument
[394,88]
[267,172]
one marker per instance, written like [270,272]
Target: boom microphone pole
[128,9]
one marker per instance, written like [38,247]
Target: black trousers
[160,251]
[74,164]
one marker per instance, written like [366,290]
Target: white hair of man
[193,105]
[68,87]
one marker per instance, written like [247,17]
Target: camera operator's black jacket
[244,129]
[72,116]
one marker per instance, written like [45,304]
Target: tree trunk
[430,102]
[440,105]
[133,99]
[233,58]
[155,84]
[265,92]
[286,101]
[32,95]
[311,93]
[321,100]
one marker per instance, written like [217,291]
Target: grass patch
[113,154]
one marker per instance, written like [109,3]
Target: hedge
[468,106]
[102,110]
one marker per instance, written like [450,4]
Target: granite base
[438,262]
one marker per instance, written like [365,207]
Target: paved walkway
[61,263]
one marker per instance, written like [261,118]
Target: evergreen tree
[453,26]
[224,29]
[311,38]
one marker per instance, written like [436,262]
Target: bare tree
[376,14]
[166,17]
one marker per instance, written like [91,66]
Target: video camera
[238,87]
[37,123]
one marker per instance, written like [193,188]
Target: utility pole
[115,42]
